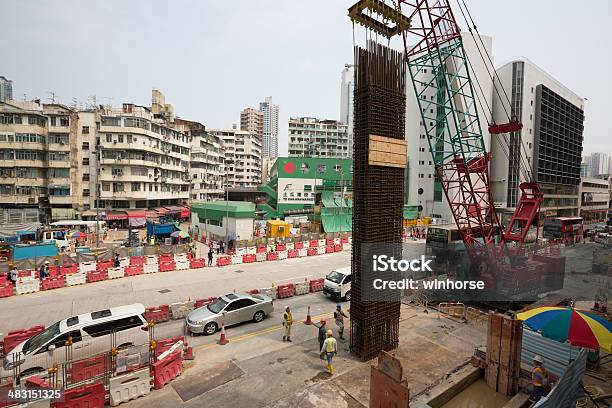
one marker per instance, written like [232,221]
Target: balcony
[20,199]
[59,164]
[59,199]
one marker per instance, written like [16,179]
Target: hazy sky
[214,58]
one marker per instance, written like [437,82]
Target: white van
[57,237]
[91,333]
[338,284]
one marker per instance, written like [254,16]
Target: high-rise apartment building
[252,120]
[347,90]
[207,161]
[312,137]
[594,199]
[270,127]
[6,89]
[598,164]
[422,187]
[549,146]
[242,158]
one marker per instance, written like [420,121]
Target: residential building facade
[252,120]
[6,89]
[312,137]
[242,153]
[598,164]
[347,91]
[144,162]
[547,149]
[206,161]
[594,199]
[421,188]
[270,127]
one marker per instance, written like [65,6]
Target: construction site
[528,325]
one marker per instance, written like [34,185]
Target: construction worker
[287,322]
[322,326]
[539,379]
[14,274]
[339,316]
[329,350]
[44,270]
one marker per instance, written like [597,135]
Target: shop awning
[162,210]
[88,213]
[152,214]
[116,215]
[137,218]
[185,212]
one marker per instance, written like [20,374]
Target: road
[160,288]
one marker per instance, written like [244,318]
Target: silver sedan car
[230,309]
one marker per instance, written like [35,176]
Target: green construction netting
[337,219]
[411,212]
[329,201]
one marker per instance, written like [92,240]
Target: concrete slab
[193,386]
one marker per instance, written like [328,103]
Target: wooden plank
[506,345]
[388,152]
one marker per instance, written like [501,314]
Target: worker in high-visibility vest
[287,323]
[329,350]
[539,379]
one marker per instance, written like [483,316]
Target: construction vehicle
[449,104]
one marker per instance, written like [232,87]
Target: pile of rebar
[380,104]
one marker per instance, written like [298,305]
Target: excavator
[449,101]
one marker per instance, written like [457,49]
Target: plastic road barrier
[329,241]
[102,265]
[301,288]
[261,256]
[137,260]
[180,310]
[336,241]
[314,243]
[316,285]
[203,302]
[346,247]
[270,292]
[164,345]
[90,396]
[270,248]
[76,279]
[241,251]
[124,262]
[285,291]
[86,369]
[249,258]
[151,259]
[321,250]
[236,259]
[53,283]
[302,252]
[27,286]
[282,255]
[66,270]
[321,243]
[330,249]
[157,314]
[197,263]
[116,273]
[166,266]
[88,266]
[224,260]
[312,251]
[133,270]
[338,247]
[290,246]
[251,250]
[6,289]
[298,245]
[150,268]
[14,337]
[281,247]
[261,248]
[97,276]
[166,258]
[292,253]
[129,386]
[272,256]
[167,369]
[182,265]
[344,240]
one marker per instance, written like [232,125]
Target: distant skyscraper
[6,89]
[600,164]
[270,127]
[251,120]
[346,102]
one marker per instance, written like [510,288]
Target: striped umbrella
[578,327]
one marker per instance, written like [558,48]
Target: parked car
[91,333]
[230,309]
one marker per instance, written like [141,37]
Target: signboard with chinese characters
[297,191]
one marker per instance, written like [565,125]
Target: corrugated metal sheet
[568,390]
[557,356]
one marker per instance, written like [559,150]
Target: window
[85,161]
[28,138]
[59,138]
[100,313]
[71,321]
[85,176]
[60,341]
[101,329]
[321,168]
[120,138]
[109,138]
[105,186]
[117,171]
[85,130]
[58,173]
[136,122]
[85,146]
[305,168]
[110,121]
[53,121]
[64,121]
[85,192]
[135,186]
[239,304]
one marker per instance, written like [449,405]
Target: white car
[90,333]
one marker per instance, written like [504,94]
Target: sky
[214,58]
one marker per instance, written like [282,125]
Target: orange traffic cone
[308,319]
[223,340]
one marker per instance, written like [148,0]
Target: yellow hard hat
[330,333]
